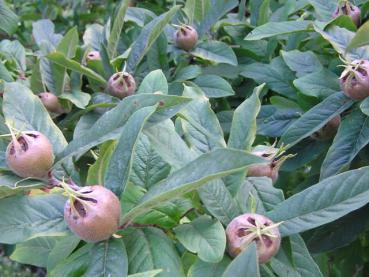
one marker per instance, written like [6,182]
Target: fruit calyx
[121,85]
[250,227]
[93,56]
[186,37]
[275,160]
[29,154]
[354,79]
[346,8]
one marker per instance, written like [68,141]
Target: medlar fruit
[92,213]
[30,155]
[346,8]
[51,102]
[121,85]
[249,227]
[355,80]
[186,37]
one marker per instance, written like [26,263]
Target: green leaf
[78,98]
[43,31]
[272,29]
[188,73]
[117,28]
[147,37]
[243,129]
[25,110]
[246,261]
[63,247]
[196,10]
[120,164]
[34,251]
[316,118]
[150,273]
[75,265]
[340,39]
[215,10]
[68,44]
[324,9]
[352,136]
[8,19]
[148,167]
[96,172]
[218,201]
[364,106]
[276,75]
[172,148]
[109,125]
[200,268]
[261,190]
[155,81]
[25,217]
[302,63]
[108,258]
[320,84]
[60,59]
[215,52]
[360,38]
[199,123]
[204,236]
[324,202]
[150,248]
[273,121]
[11,184]
[207,167]
[214,86]
[297,263]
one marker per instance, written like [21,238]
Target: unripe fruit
[94,213]
[121,85]
[30,155]
[355,80]
[51,102]
[93,56]
[346,8]
[246,228]
[329,130]
[186,37]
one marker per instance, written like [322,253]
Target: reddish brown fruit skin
[349,10]
[268,170]
[93,56]
[51,102]
[329,130]
[238,238]
[34,158]
[101,219]
[357,88]
[186,38]
[121,85]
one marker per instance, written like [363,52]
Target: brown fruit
[246,228]
[30,155]
[329,130]
[121,85]
[355,80]
[346,8]
[51,102]
[94,214]
[186,37]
